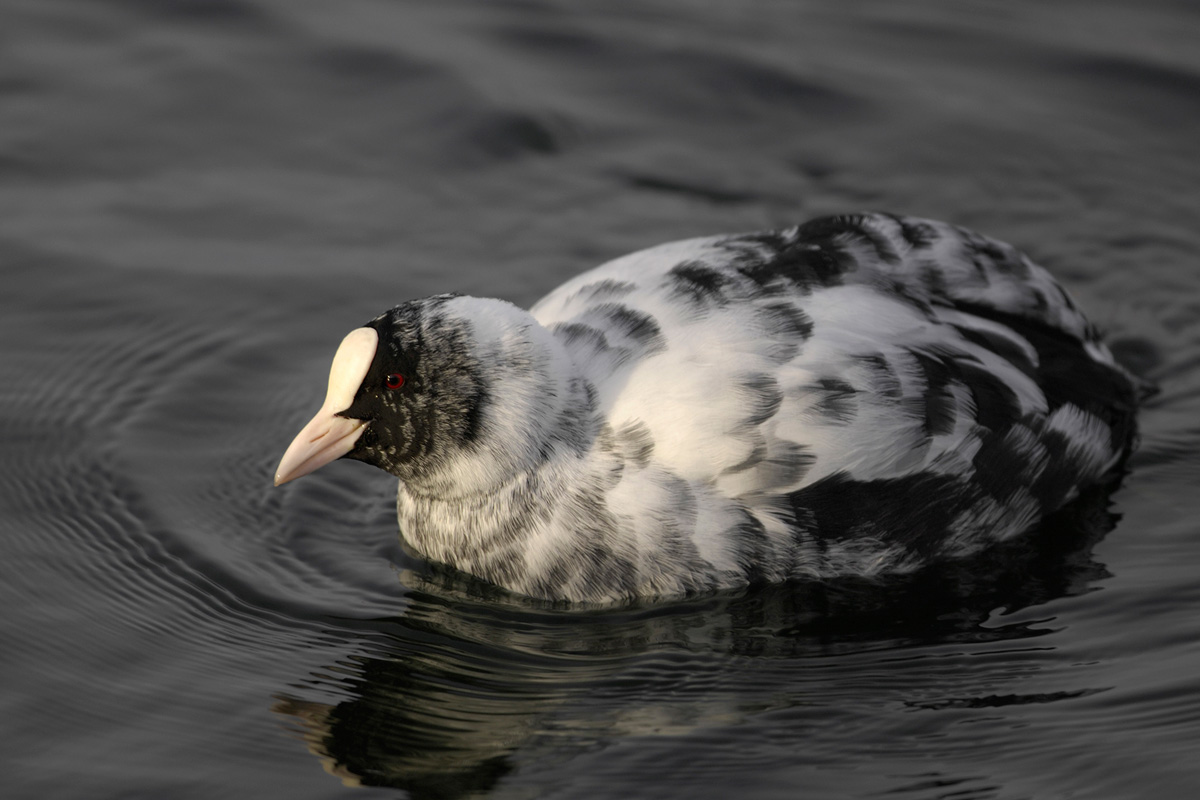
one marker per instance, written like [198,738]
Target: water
[198,198]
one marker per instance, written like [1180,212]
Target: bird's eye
[394,381]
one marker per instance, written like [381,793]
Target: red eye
[394,381]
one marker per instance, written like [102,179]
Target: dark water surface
[199,198]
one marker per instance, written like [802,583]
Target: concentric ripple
[198,198]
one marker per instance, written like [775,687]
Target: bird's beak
[327,436]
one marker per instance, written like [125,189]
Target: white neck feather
[532,386]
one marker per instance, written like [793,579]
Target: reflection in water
[200,195]
[467,688]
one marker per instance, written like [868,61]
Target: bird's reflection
[468,686]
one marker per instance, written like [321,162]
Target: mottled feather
[859,394]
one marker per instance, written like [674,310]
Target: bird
[859,395]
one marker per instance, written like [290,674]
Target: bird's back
[880,390]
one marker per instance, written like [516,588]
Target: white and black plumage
[861,394]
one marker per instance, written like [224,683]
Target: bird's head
[444,390]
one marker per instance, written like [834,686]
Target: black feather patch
[786,321]
[837,402]
[635,442]
[761,398]
[1002,466]
[837,232]
[990,256]
[698,283]
[1066,374]
[916,233]
[1002,346]
[751,547]
[770,258]
[577,335]
[883,379]
[939,412]
[786,464]
[915,511]
[996,404]
[636,326]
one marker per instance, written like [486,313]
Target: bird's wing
[867,346]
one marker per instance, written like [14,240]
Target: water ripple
[200,198]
